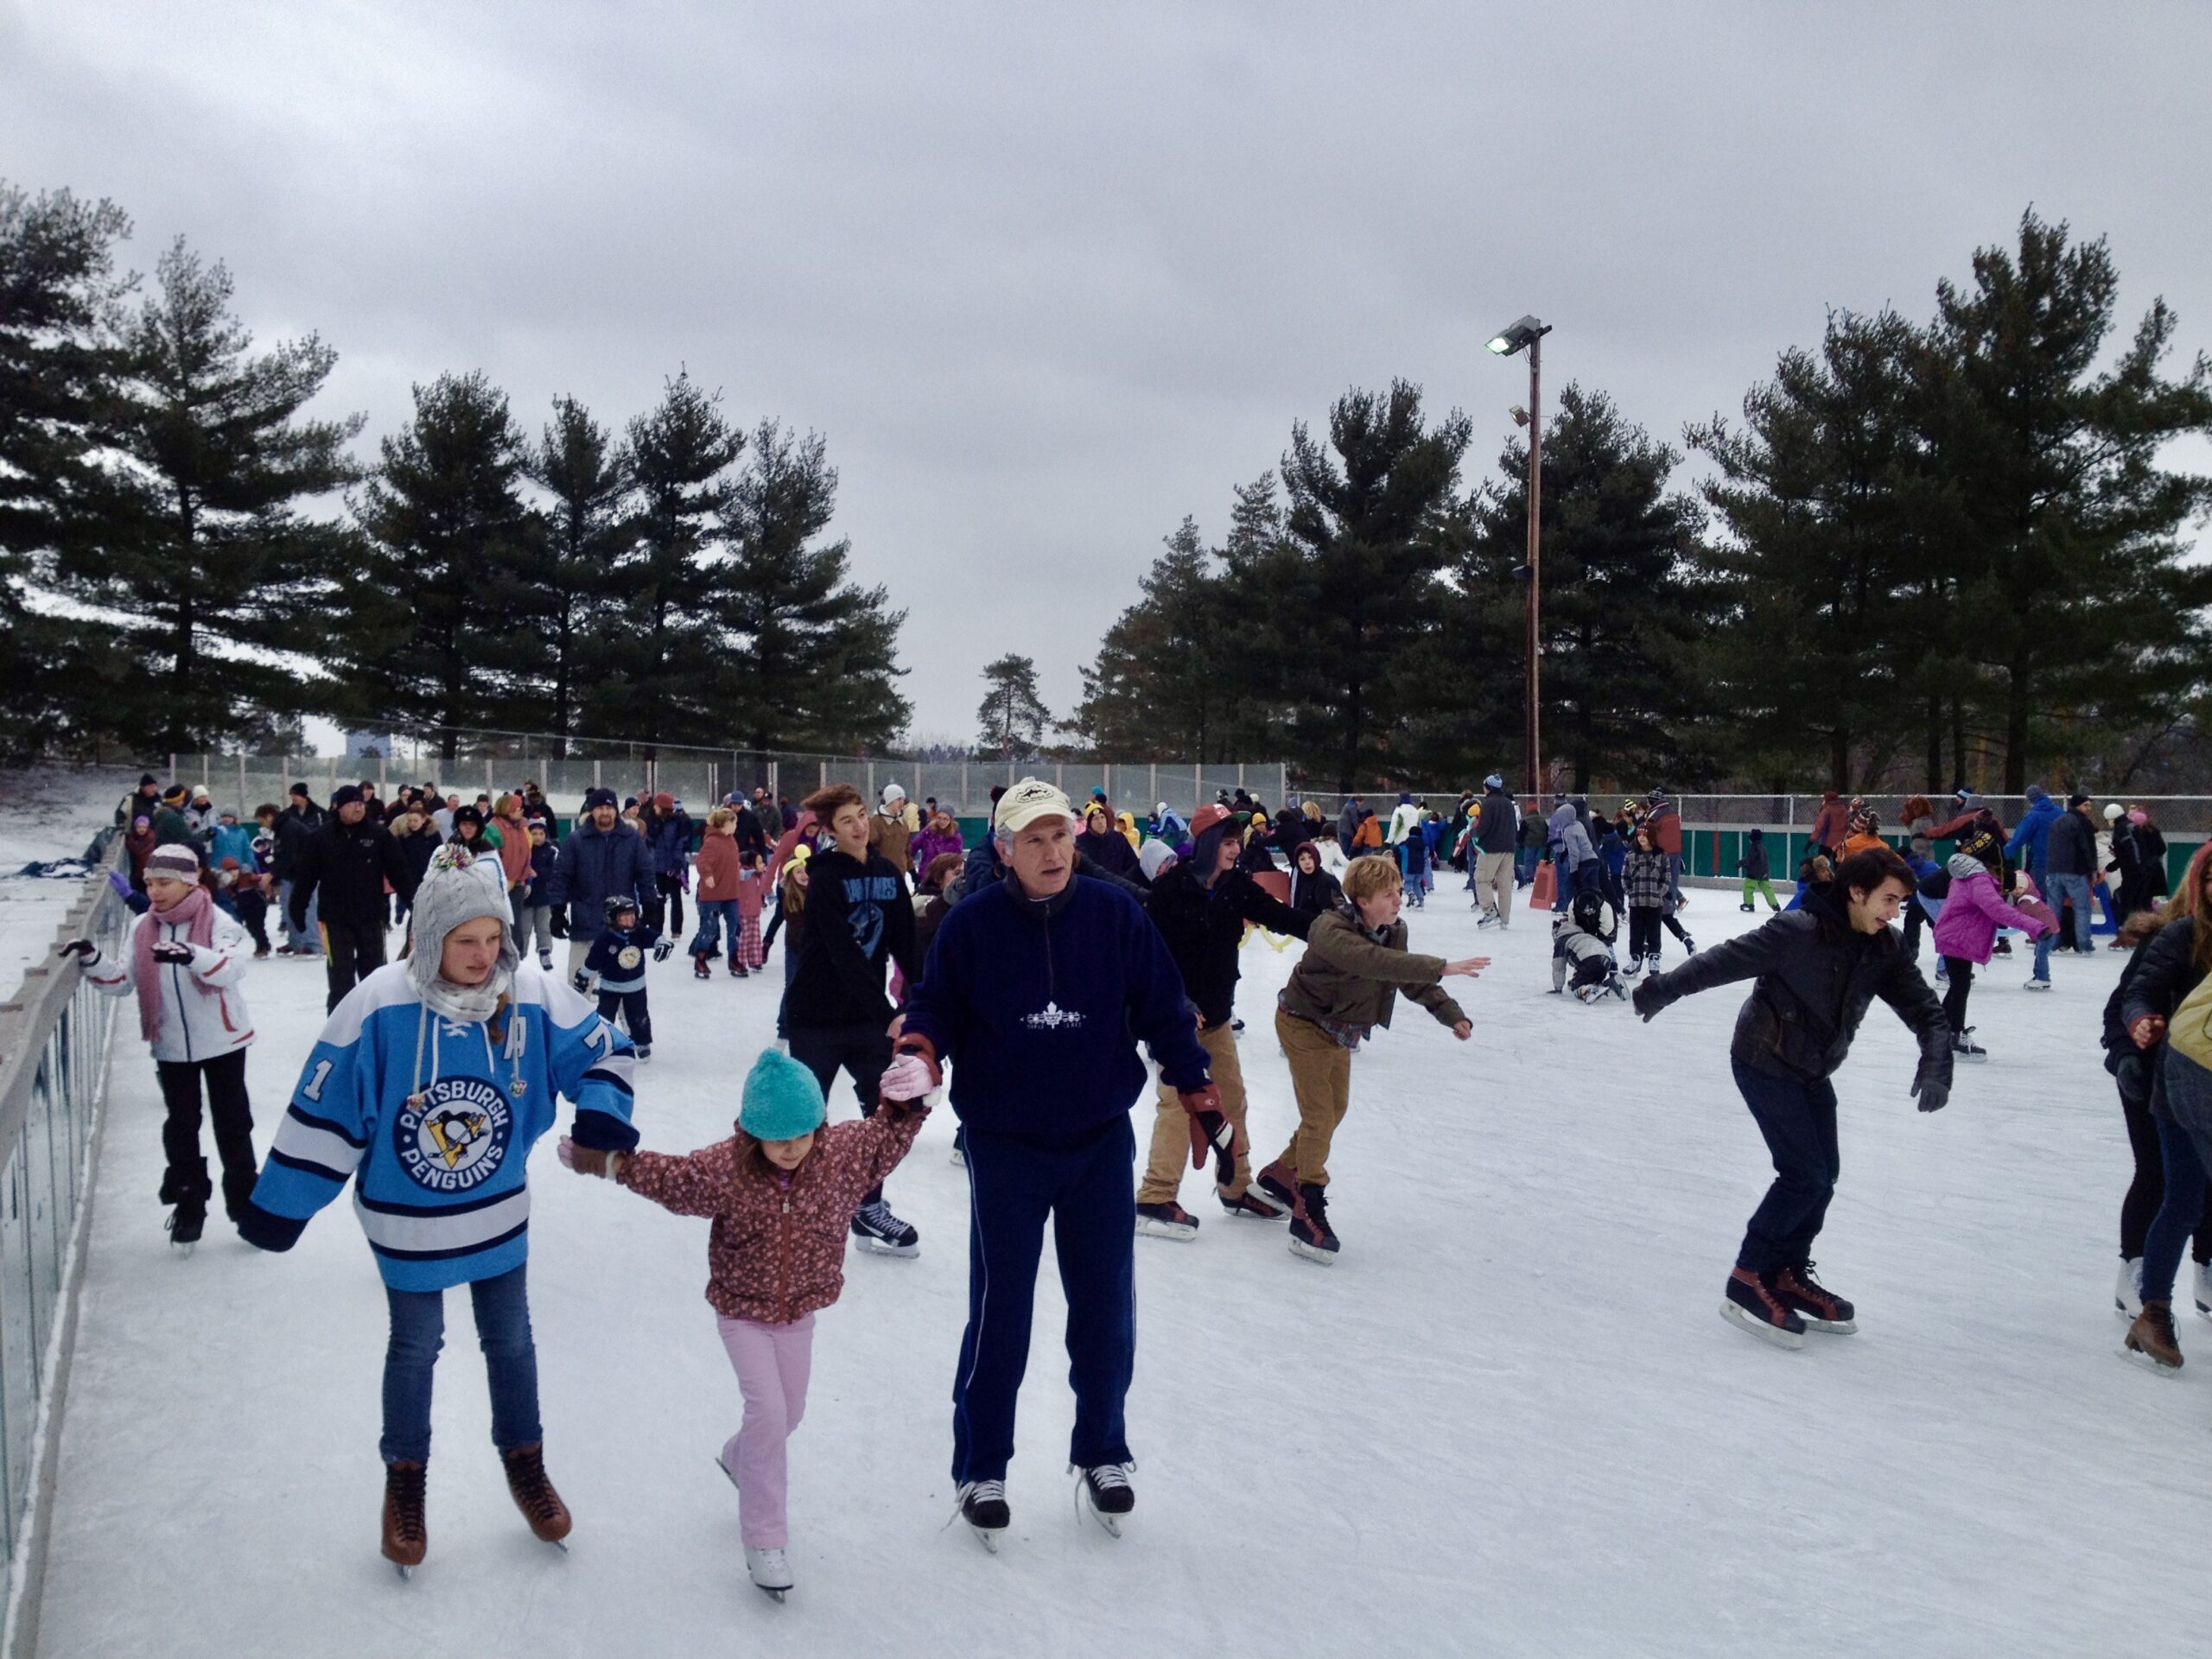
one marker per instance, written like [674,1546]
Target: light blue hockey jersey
[433,1120]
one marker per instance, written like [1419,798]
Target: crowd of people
[1066,936]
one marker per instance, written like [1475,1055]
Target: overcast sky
[1050,277]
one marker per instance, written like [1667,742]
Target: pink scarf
[196,909]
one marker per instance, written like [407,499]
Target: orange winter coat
[717,868]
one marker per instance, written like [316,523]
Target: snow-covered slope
[1510,1422]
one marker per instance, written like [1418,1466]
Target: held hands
[2148,1031]
[1209,1130]
[590,1160]
[907,1079]
[1466,967]
[172,950]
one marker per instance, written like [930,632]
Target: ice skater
[1816,970]
[431,1082]
[781,1192]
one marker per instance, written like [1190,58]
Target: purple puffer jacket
[1972,912]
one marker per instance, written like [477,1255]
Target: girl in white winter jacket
[185,959]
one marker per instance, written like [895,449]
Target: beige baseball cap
[1028,801]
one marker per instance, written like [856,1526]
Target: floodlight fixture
[1519,336]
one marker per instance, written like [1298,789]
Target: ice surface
[46,814]
[1510,1420]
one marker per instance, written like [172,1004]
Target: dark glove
[172,950]
[1649,1000]
[559,921]
[1209,1130]
[84,948]
[582,982]
[664,951]
[1933,1092]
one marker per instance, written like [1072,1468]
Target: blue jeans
[2075,887]
[297,938]
[418,1329]
[714,914]
[2185,1147]
[2043,955]
[1087,1190]
[1798,1120]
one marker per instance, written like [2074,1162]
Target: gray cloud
[1048,279]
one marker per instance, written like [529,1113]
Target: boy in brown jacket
[1344,986]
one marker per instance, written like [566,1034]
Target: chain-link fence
[702,777]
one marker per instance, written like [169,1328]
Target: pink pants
[772,1363]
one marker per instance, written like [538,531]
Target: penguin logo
[453,1136]
[629,956]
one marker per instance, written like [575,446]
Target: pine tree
[1830,635]
[1013,715]
[813,661]
[585,474]
[431,633]
[2078,602]
[201,547]
[61,678]
[667,648]
[1157,686]
[1341,604]
[1624,604]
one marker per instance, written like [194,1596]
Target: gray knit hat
[458,887]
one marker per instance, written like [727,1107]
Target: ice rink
[1510,1420]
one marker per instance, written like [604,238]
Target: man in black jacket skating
[1200,906]
[1817,970]
[342,866]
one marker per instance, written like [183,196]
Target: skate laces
[981,1492]
[526,1478]
[405,1486]
[1100,1478]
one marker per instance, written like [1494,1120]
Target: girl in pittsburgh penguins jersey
[429,1084]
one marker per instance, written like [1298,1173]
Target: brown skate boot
[406,1533]
[534,1495]
[2150,1338]
[1278,1181]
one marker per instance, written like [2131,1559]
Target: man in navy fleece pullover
[1038,988]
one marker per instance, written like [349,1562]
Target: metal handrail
[54,1035]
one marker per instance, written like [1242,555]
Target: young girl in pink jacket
[1974,910]
[781,1193]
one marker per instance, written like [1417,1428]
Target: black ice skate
[186,1221]
[1105,1491]
[1310,1234]
[1754,1305]
[983,1507]
[1820,1308]
[1963,1047]
[879,1231]
[1254,1204]
[1279,1182]
[1169,1220]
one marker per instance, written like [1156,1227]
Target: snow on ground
[47,813]
[1509,1422]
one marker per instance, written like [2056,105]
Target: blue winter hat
[2037,792]
[782,1099]
[1493,782]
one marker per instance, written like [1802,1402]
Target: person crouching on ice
[1356,964]
[1816,970]
[432,1080]
[1582,948]
[781,1192]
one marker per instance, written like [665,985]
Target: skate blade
[877,1247]
[2142,1361]
[773,1594]
[1834,1327]
[2203,1311]
[1306,1252]
[1760,1328]
[1238,1214]
[987,1536]
[1111,1523]
[727,1475]
[404,1571]
[1150,1229]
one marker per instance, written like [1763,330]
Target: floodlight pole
[1533,758]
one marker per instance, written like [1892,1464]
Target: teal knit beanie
[782,1100]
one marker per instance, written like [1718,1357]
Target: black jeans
[1644,922]
[186,1174]
[861,1052]
[1960,987]
[630,1007]
[1798,1120]
[253,916]
[670,888]
[350,952]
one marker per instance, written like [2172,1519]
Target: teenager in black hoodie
[1200,906]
